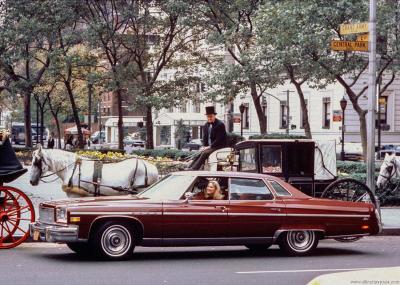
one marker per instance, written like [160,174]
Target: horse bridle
[389,169]
[39,164]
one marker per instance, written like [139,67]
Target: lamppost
[343,105]
[242,107]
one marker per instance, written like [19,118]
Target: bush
[354,166]
[233,139]
[277,136]
[174,154]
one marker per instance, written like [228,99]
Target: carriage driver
[214,137]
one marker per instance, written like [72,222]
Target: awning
[74,131]
[127,121]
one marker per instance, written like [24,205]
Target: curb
[390,232]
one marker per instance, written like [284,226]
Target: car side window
[249,189]
[279,189]
[218,188]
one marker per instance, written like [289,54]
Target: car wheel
[258,247]
[298,242]
[113,241]
[81,248]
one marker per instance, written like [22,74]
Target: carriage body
[308,165]
[16,209]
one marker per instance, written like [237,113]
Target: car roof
[224,174]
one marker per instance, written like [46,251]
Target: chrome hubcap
[300,240]
[116,240]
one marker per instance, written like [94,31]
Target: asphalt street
[41,263]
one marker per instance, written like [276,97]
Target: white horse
[79,175]
[390,168]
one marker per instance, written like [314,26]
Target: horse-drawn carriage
[308,165]
[16,209]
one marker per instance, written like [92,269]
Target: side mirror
[188,196]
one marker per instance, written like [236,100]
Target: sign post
[371,97]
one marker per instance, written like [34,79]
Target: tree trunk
[149,128]
[306,123]
[120,119]
[27,118]
[257,104]
[55,116]
[58,131]
[41,123]
[75,113]
[363,133]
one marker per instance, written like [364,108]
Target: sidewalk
[391,221]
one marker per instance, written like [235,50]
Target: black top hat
[210,110]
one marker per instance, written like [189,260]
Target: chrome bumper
[53,233]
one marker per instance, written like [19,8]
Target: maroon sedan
[203,208]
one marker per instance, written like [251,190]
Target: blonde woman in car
[213,191]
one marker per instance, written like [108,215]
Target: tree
[26,42]
[139,39]
[231,25]
[313,24]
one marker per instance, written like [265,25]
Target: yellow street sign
[356,28]
[362,38]
[349,46]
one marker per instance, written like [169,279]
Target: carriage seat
[10,167]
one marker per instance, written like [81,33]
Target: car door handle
[222,208]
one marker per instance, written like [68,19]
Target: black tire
[113,241]
[349,189]
[81,248]
[298,243]
[258,247]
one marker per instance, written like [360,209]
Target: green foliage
[233,139]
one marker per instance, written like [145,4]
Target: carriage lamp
[343,105]
[61,215]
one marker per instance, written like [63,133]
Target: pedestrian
[50,141]
[214,137]
[69,143]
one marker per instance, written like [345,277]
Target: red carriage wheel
[16,213]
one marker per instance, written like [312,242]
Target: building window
[200,87]
[283,115]
[326,113]
[302,121]
[183,107]
[196,106]
[170,110]
[165,135]
[383,113]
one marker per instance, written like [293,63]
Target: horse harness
[97,176]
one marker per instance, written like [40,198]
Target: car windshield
[169,188]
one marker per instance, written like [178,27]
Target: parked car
[389,149]
[195,144]
[134,143]
[254,210]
